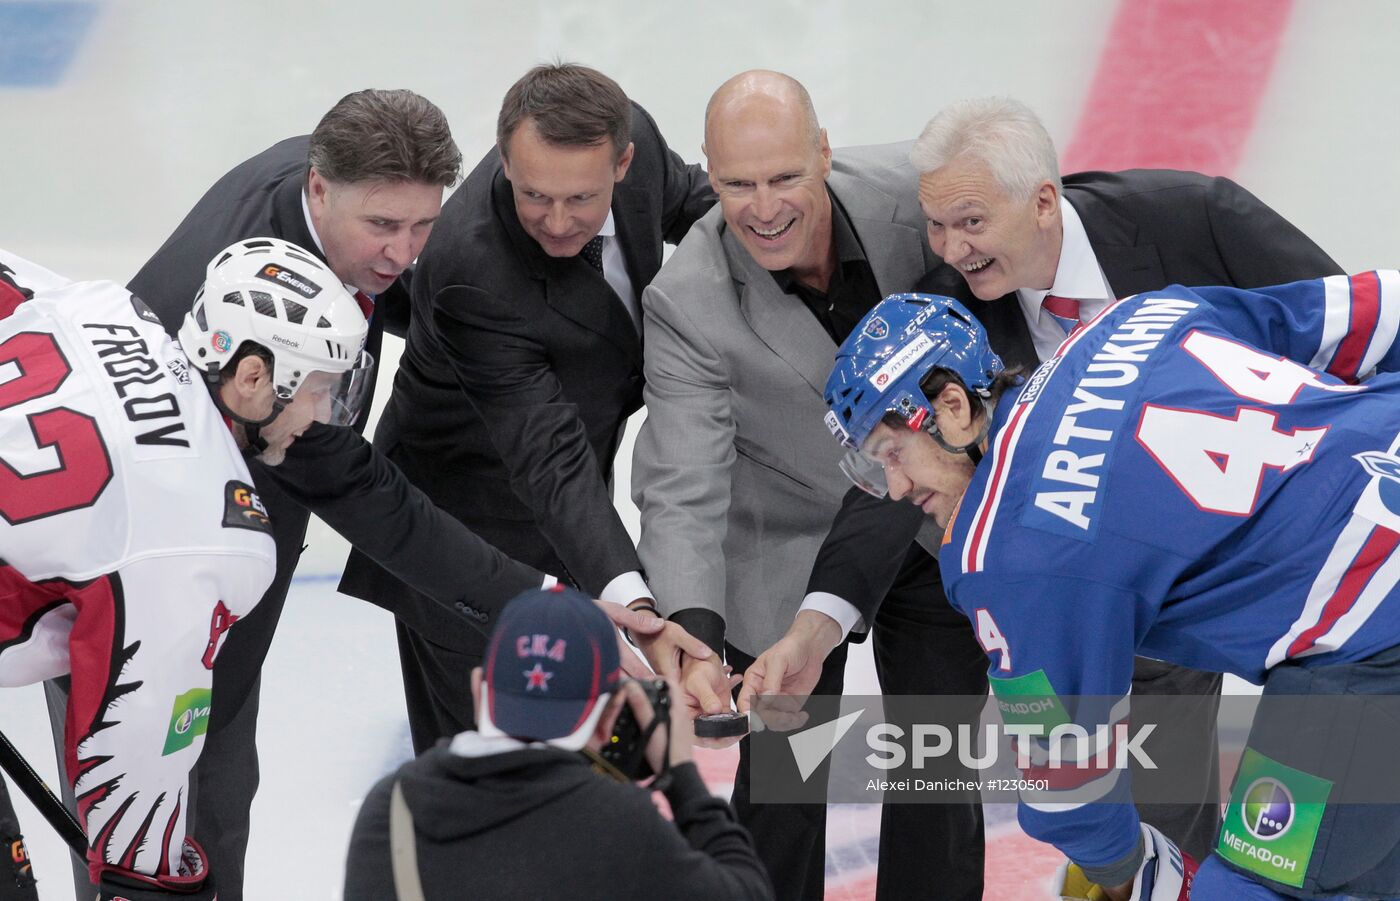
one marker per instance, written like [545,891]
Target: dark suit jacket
[331,472]
[1149,228]
[521,369]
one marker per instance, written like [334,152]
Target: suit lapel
[288,217]
[1131,268]
[641,245]
[571,288]
[1007,330]
[780,319]
[895,251]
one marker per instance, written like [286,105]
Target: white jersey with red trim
[130,539]
[1177,483]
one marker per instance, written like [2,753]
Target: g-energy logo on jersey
[243,509]
[189,719]
[1065,493]
[282,276]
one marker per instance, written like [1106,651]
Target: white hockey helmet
[287,301]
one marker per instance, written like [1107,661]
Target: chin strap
[973,448]
[251,427]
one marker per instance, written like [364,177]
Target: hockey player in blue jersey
[1209,476]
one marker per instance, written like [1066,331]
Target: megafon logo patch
[189,719]
[1268,809]
[280,275]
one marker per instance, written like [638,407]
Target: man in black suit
[1010,238]
[363,191]
[523,358]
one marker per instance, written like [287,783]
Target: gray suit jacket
[734,471]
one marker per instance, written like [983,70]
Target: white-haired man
[1044,255]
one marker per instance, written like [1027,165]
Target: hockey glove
[192,883]
[1165,874]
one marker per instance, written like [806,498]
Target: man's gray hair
[1002,133]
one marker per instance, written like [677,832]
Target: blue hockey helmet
[879,368]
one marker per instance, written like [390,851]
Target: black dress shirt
[852,290]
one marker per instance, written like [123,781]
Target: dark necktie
[593,253]
[1064,310]
[366,304]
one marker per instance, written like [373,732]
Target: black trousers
[16,877]
[922,647]
[1196,695]
[437,675]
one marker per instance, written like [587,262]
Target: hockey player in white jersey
[1176,482]
[130,535]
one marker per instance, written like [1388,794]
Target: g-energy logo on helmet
[286,277]
[903,358]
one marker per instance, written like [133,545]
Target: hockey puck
[721,725]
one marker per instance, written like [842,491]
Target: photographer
[533,804]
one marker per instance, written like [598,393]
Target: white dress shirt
[615,271]
[1077,277]
[628,586]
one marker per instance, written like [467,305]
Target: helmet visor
[865,473]
[339,397]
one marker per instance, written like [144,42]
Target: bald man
[737,477]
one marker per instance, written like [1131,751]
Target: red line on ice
[1178,85]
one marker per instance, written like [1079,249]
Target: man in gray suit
[736,476]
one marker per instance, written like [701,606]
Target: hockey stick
[28,781]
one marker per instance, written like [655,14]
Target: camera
[625,751]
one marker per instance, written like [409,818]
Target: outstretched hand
[638,622]
[670,646]
[789,670]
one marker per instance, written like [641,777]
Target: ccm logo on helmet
[298,283]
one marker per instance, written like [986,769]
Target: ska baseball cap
[550,668]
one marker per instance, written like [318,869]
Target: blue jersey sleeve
[1343,325]
[1061,652]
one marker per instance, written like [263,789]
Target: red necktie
[1065,311]
[366,304]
